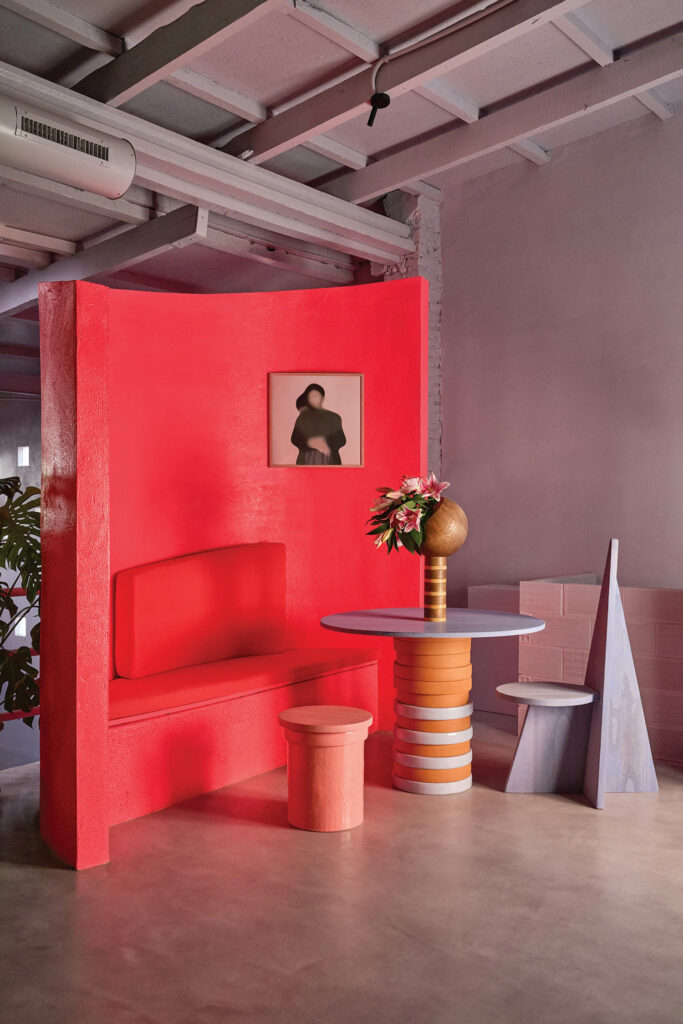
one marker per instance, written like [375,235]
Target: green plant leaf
[20,553]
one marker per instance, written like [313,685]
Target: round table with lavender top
[433,680]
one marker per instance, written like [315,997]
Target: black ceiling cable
[381,100]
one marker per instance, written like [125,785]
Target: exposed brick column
[423,214]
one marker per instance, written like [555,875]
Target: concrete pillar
[423,214]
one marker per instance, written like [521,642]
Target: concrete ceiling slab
[591,124]
[389,20]
[33,48]
[124,16]
[531,60]
[47,217]
[302,164]
[274,60]
[622,22]
[178,111]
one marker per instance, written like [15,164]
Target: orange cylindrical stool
[325,748]
[433,680]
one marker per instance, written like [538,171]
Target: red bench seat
[199,685]
[202,673]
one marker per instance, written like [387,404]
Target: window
[20,628]
[22,455]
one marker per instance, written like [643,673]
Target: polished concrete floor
[478,908]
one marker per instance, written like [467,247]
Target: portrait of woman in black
[318,432]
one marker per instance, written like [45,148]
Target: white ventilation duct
[37,142]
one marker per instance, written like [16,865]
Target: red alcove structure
[155,446]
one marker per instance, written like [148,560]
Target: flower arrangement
[399,517]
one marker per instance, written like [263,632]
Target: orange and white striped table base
[433,680]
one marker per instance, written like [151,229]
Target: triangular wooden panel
[619,758]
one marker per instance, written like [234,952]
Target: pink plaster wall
[563,361]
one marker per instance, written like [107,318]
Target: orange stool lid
[325,718]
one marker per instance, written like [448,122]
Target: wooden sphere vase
[445,532]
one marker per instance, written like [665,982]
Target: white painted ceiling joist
[275,257]
[34,240]
[265,237]
[218,95]
[654,102]
[195,173]
[341,103]
[32,184]
[443,96]
[227,99]
[170,47]
[44,13]
[576,28]
[18,256]
[346,36]
[643,69]
[337,151]
[531,151]
[182,227]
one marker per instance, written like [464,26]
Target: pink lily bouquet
[399,516]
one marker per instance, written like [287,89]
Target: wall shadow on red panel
[169,394]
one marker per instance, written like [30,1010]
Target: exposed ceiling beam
[7,274]
[576,28]
[212,92]
[182,227]
[158,55]
[291,225]
[336,31]
[654,102]
[19,256]
[67,25]
[645,68]
[274,257]
[443,96]
[33,240]
[435,92]
[250,110]
[531,151]
[423,188]
[19,384]
[342,102]
[195,173]
[337,151]
[31,184]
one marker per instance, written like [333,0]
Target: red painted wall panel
[189,438]
[164,398]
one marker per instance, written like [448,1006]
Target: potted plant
[19,576]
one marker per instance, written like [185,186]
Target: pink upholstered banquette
[202,671]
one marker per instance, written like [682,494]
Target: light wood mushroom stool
[552,746]
[325,766]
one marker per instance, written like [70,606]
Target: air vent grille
[42,130]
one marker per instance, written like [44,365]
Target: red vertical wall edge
[75,612]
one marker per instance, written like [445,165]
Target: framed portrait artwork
[316,419]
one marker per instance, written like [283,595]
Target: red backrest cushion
[227,603]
